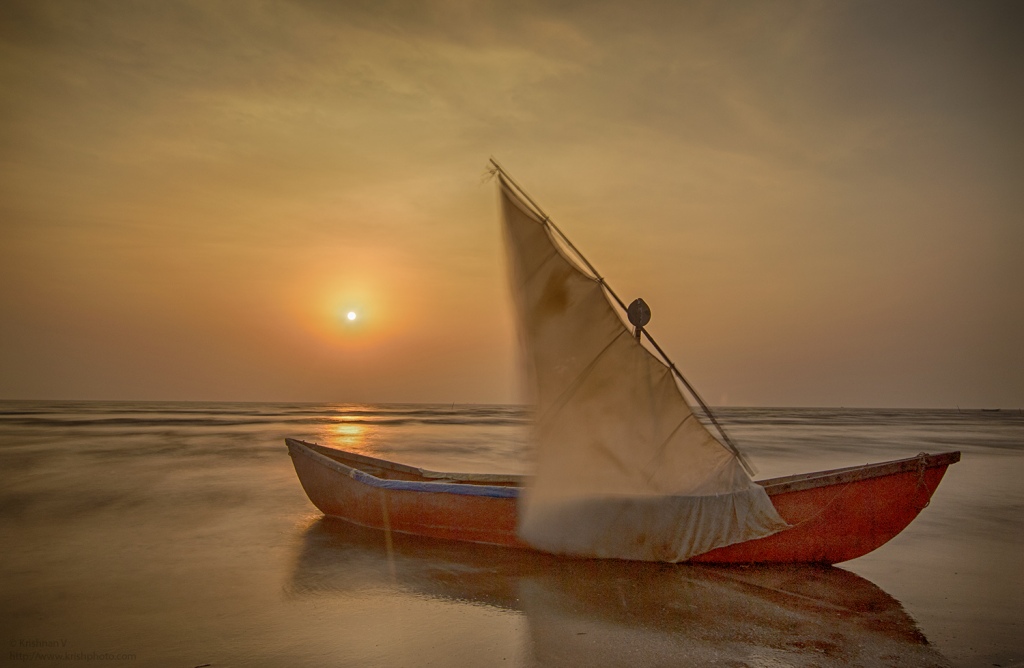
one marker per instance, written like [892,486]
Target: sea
[177,534]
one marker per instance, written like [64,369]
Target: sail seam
[664,444]
[554,234]
[580,377]
[530,207]
[540,265]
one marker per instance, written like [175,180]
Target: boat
[835,515]
[630,462]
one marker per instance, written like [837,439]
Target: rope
[921,468]
[846,487]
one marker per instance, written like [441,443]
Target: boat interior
[388,470]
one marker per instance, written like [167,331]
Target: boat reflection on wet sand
[609,612]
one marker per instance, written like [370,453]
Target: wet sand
[591,612]
[159,543]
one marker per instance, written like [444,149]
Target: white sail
[624,468]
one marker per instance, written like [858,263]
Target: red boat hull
[837,522]
[835,515]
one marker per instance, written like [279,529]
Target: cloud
[762,164]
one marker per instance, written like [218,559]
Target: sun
[352,315]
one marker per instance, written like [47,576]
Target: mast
[546,220]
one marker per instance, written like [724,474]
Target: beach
[157,534]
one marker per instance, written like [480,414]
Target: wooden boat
[625,468]
[834,515]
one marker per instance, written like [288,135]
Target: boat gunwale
[508,485]
[311,450]
[848,474]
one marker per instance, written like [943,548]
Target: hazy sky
[822,202]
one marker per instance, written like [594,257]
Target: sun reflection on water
[349,435]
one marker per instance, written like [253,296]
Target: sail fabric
[624,469]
